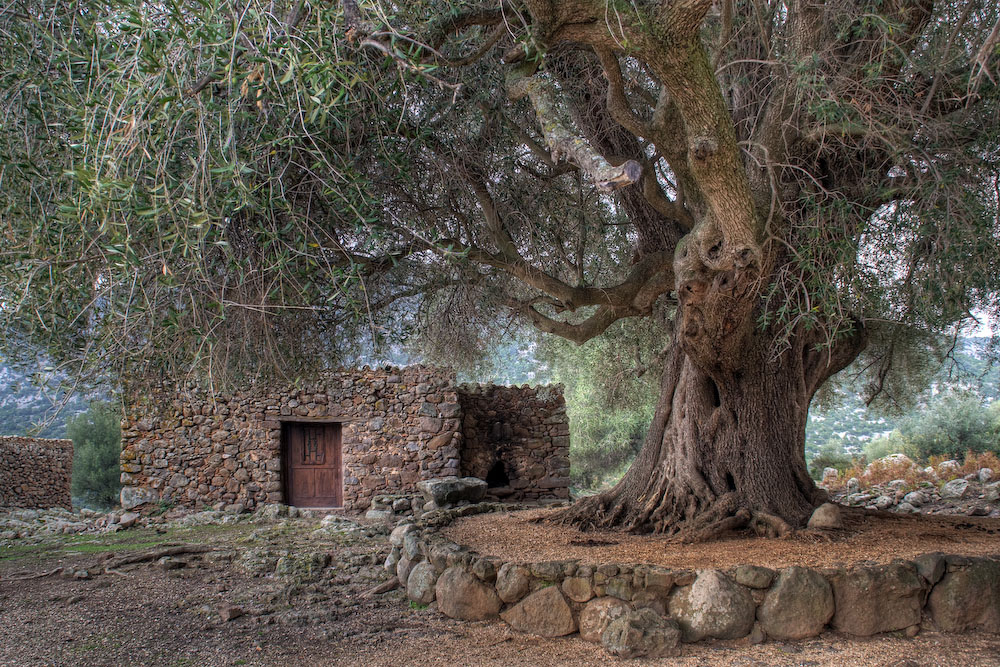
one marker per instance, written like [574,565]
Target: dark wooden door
[313,468]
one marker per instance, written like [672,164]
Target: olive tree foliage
[230,187]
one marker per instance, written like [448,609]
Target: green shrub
[830,455]
[96,436]
[950,426]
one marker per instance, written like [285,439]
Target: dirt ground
[149,615]
[867,536]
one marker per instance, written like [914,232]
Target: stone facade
[35,472]
[398,426]
[517,439]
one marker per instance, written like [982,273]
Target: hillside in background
[27,409]
[851,425]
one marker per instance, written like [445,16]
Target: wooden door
[313,468]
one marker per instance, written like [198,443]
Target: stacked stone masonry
[35,472]
[517,439]
[399,426]
[943,592]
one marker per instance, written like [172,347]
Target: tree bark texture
[724,450]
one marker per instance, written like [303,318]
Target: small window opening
[497,476]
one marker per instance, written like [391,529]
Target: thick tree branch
[562,139]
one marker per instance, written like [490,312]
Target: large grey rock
[992,492]
[403,568]
[461,595]
[578,589]
[985,475]
[798,605]
[597,616]
[420,583]
[399,532]
[753,576]
[931,566]
[826,517]
[545,613]
[513,582]
[915,498]
[713,606]
[884,502]
[954,489]
[641,633]
[870,600]
[133,496]
[853,485]
[968,599]
[450,490]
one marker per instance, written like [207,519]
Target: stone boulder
[133,496]
[641,633]
[955,489]
[462,596]
[826,517]
[915,498]
[985,475]
[991,492]
[450,490]
[797,606]
[968,599]
[513,582]
[946,467]
[870,600]
[578,589]
[545,613]
[597,616]
[420,583]
[713,606]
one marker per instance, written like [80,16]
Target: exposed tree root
[33,576]
[384,587]
[156,554]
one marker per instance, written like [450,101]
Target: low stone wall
[661,606]
[517,439]
[35,472]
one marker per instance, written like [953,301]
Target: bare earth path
[150,615]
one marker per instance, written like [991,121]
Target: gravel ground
[149,615]
[867,536]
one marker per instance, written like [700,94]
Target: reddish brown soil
[149,616]
[867,536]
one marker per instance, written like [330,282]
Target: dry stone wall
[517,439]
[662,607]
[35,472]
[398,426]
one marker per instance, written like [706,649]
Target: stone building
[342,439]
[35,472]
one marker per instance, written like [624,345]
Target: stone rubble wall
[526,428]
[189,448]
[947,593]
[35,472]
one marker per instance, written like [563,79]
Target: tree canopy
[218,188]
[206,183]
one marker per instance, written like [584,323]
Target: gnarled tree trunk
[726,448]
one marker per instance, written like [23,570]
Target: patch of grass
[417,605]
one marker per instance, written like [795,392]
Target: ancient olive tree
[786,180]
